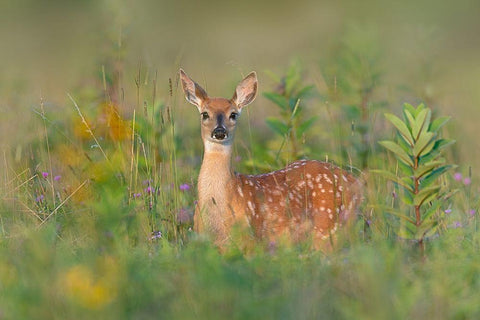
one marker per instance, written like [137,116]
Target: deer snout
[219,133]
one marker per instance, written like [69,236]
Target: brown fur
[306,200]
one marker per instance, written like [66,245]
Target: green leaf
[418,109]
[390,176]
[304,91]
[410,119]
[442,144]
[425,228]
[422,142]
[438,123]
[432,231]
[424,168]
[432,176]
[398,151]
[432,210]
[278,99]
[408,107]
[422,122]
[425,194]
[401,127]
[437,148]
[277,126]
[302,128]
[408,231]
[407,198]
[292,78]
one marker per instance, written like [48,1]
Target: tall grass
[96,218]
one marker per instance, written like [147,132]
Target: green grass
[94,225]
[98,188]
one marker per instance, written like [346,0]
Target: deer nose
[219,133]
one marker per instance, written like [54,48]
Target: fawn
[305,200]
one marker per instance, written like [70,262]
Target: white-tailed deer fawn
[307,199]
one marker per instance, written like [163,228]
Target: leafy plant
[288,97]
[353,73]
[418,148]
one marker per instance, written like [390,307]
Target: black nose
[219,133]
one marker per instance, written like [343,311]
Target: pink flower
[45,174]
[457,176]
[149,190]
[472,212]
[39,198]
[184,187]
[467,181]
[448,211]
[56,178]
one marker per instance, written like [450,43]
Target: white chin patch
[217,146]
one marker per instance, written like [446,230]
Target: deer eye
[205,116]
[233,116]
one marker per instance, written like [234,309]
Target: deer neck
[216,176]
[215,182]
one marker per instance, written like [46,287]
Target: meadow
[100,155]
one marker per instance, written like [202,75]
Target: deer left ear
[246,90]
[194,94]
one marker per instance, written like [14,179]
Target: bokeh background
[51,48]
[97,223]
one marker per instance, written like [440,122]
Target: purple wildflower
[58,177]
[184,187]
[472,212]
[448,210]
[45,174]
[149,190]
[457,224]
[137,195]
[369,222]
[467,181]
[457,176]
[39,198]
[156,235]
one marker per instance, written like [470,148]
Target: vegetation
[98,192]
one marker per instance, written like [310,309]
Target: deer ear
[246,90]
[194,94]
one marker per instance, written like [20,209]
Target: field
[100,154]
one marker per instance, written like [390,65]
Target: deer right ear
[193,92]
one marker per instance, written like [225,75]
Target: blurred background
[425,51]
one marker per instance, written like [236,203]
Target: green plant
[418,149]
[353,74]
[292,124]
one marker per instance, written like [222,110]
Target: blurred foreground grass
[98,184]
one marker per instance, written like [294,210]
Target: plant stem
[418,220]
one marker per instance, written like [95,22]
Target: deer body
[305,200]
